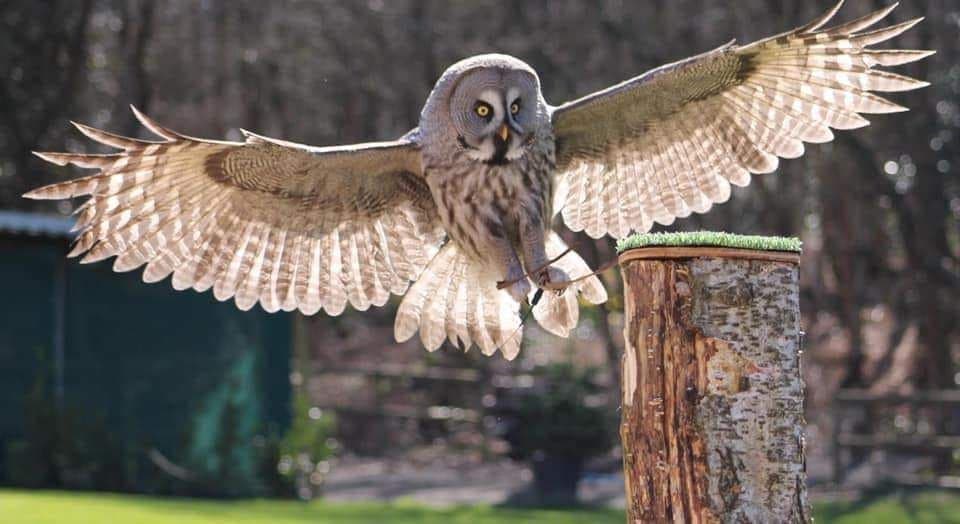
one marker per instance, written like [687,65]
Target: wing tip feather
[59,159]
[886,33]
[819,22]
[104,137]
[154,126]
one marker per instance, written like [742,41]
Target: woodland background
[878,209]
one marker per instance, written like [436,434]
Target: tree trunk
[712,421]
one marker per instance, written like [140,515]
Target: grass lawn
[48,507]
[926,507]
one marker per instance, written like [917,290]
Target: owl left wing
[283,224]
[671,141]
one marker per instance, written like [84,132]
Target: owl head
[490,106]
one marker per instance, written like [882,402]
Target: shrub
[557,418]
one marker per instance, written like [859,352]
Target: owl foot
[519,289]
[553,279]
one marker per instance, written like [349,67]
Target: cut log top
[666,252]
[696,244]
[708,244]
[710,239]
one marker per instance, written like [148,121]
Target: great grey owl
[466,200]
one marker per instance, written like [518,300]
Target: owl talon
[554,279]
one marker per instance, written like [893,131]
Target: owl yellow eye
[514,108]
[482,109]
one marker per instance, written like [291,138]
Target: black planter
[555,479]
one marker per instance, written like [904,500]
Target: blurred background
[110,384]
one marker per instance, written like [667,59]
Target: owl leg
[533,246]
[509,266]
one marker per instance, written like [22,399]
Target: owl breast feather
[481,203]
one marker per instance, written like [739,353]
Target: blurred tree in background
[878,209]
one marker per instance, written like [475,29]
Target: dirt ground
[449,480]
[440,477]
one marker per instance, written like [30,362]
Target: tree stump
[712,422]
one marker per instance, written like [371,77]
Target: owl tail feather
[457,299]
[556,312]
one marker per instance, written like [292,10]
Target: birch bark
[712,421]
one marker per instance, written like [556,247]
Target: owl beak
[504,132]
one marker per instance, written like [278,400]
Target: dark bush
[556,426]
[557,417]
[63,447]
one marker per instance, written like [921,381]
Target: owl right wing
[269,221]
[671,141]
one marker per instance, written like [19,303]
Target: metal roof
[35,224]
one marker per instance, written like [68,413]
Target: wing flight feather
[262,221]
[673,140]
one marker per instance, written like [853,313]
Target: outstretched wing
[290,226]
[671,141]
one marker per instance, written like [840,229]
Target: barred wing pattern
[268,221]
[671,141]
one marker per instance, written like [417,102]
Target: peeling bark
[712,421]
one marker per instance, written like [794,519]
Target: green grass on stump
[709,239]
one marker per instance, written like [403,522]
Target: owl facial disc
[501,139]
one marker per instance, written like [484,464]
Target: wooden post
[712,422]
